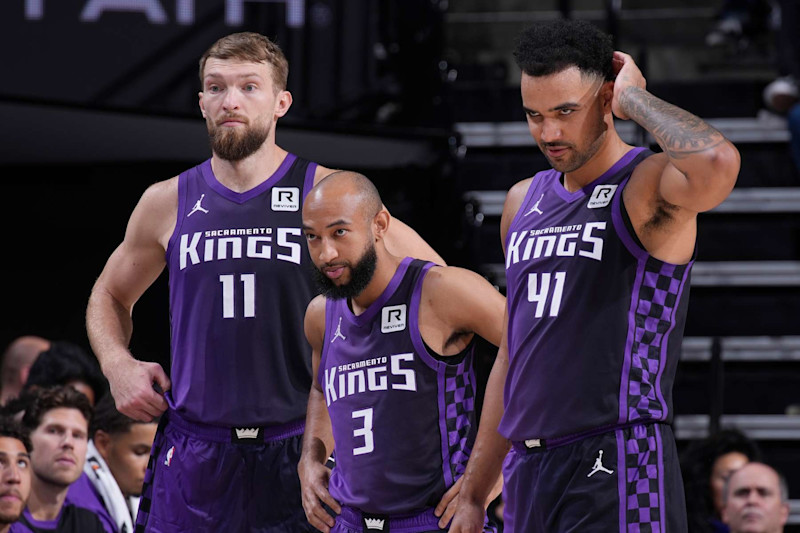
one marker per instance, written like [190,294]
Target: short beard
[360,275]
[231,145]
[10,518]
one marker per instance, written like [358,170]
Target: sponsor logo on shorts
[375,523]
[601,196]
[246,433]
[598,465]
[393,318]
[285,199]
[170,453]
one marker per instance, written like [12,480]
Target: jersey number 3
[229,299]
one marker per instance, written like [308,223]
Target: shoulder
[450,282]
[162,193]
[321,172]
[314,323]
[514,198]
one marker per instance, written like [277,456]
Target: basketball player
[393,386]
[229,232]
[598,253]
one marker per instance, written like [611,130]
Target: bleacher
[741,356]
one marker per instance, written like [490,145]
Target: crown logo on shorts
[246,433]
[374,523]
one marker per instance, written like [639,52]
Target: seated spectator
[705,466]
[756,500]
[15,472]
[17,361]
[115,465]
[66,363]
[58,420]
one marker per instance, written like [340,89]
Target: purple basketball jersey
[403,421]
[595,323]
[239,281]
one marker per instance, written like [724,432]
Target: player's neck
[46,499]
[243,175]
[612,149]
[385,269]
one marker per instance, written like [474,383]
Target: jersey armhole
[329,304]
[182,188]
[308,182]
[527,200]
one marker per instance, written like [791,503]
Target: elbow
[725,162]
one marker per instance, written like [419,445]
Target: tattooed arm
[702,165]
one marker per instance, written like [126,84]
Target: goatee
[231,144]
[360,275]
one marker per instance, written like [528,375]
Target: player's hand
[132,382]
[314,478]
[447,506]
[469,518]
[627,75]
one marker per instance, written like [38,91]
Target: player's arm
[481,479]
[130,270]
[400,239]
[318,436]
[486,460]
[702,164]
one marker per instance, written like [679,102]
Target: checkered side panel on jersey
[147,489]
[459,398]
[642,481]
[658,296]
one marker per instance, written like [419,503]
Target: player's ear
[380,224]
[282,103]
[607,95]
[201,104]
[102,442]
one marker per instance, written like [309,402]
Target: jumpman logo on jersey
[598,466]
[198,207]
[338,334]
[535,208]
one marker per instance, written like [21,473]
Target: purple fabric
[239,286]
[571,265]
[192,484]
[403,422]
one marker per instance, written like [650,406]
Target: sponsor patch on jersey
[601,196]
[393,318]
[285,199]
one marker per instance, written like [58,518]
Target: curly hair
[12,429]
[551,47]
[65,362]
[53,398]
[251,47]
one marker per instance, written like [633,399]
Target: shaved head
[17,361]
[356,187]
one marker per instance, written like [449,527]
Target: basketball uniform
[594,336]
[225,454]
[403,418]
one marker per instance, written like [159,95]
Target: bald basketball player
[228,230]
[17,361]
[393,390]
